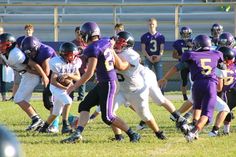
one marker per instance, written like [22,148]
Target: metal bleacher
[200,18]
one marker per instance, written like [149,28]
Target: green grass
[97,136]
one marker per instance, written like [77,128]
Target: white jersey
[15,60]
[59,66]
[131,80]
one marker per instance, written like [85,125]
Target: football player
[20,62]
[181,46]
[229,83]
[216,31]
[41,54]
[202,63]
[63,67]
[102,58]
[137,83]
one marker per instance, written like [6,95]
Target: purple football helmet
[202,42]
[30,45]
[216,30]
[226,39]
[88,30]
[185,33]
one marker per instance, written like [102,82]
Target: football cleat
[160,135]
[135,137]
[118,139]
[213,133]
[66,129]
[43,130]
[142,125]
[53,129]
[225,133]
[75,137]
[191,136]
[35,124]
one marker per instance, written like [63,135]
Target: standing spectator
[81,46]
[103,60]
[29,30]
[152,46]
[3,84]
[119,27]
[182,46]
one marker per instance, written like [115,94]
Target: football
[66,81]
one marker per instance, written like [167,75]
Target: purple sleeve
[186,57]
[90,51]
[162,39]
[143,39]
[175,45]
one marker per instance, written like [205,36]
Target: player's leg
[66,128]
[204,101]
[231,103]
[90,100]
[141,106]
[57,110]
[106,94]
[184,79]
[23,95]
[222,108]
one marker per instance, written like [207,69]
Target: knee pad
[83,107]
[229,117]
[105,120]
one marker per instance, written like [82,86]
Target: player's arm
[120,63]
[46,67]
[54,81]
[92,63]
[39,70]
[175,54]
[143,49]
[74,77]
[162,49]
[173,70]
[220,85]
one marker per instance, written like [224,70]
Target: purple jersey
[214,41]
[44,52]
[230,80]
[181,46]
[105,66]
[19,40]
[152,42]
[202,64]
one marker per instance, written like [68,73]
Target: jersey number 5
[206,68]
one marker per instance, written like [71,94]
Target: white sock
[226,128]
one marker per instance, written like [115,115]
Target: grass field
[97,137]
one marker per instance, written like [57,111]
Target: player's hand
[70,88]
[155,58]
[45,81]
[162,83]
[150,59]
